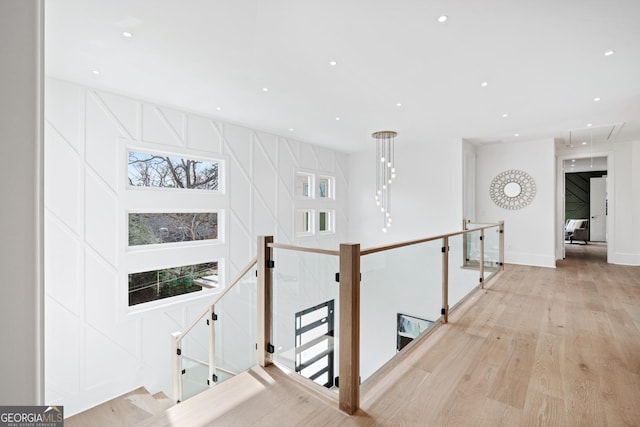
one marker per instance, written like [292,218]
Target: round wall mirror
[512,189]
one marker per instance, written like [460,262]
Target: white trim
[625,259]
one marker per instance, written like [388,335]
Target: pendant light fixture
[385,173]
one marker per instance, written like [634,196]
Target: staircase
[129,409]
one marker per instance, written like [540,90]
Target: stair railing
[478,254]
[178,337]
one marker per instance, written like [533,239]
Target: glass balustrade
[491,251]
[232,340]
[464,265]
[195,359]
[305,314]
[400,298]
[236,328]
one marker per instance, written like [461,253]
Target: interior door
[598,209]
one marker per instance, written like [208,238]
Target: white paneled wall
[96,348]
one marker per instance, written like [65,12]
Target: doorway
[585,188]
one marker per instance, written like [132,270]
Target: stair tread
[130,408]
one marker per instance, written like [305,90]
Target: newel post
[349,393]
[265,269]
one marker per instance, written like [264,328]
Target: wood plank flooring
[539,347]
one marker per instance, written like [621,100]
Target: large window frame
[159,256]
[315,194]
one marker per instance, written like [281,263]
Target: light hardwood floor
[540,346]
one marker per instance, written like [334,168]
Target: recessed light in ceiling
[596,99]
[589,125]
[127,34]
[338,118]
[398,104]
[484,84]
[609,52]
[442,18]
[265,89]
[584,142]
[573,160]
[333,63]
[218,108]
[516,134]
[95,72]
[290,129]
[505,115]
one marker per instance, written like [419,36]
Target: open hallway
[538,347]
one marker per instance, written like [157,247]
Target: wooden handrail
[303,249]
[218,297]
[378,248]
[427,239]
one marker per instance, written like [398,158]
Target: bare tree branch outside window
[153,170]
[153,228]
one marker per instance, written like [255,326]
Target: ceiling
[396,66]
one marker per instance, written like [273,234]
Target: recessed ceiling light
[443,18]
[589,125]
[290,129]
[596,99]
[516,134]
[337,118]
[265,89]
[333,63]
[398,104]
[584,142]
[95,72]
[609,52]
[484,84]
[505,115]
[573,160]
[218,108]
[127,34]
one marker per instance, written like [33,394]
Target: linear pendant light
[385,173]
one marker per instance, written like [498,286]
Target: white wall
[426,194]
[530,231]
[21,375]
[625,206]
[97,348]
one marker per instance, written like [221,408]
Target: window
[325,219]
[159,284]
[303,183]
[325,187]
[304,222]
[155,228]
[165,171]
[172,221]
[314,192]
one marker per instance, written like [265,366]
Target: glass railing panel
[195,359]
[305,314]
[471,245]
[236,328]
[491,251]
[464,265]
[234,339]
[401,297]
